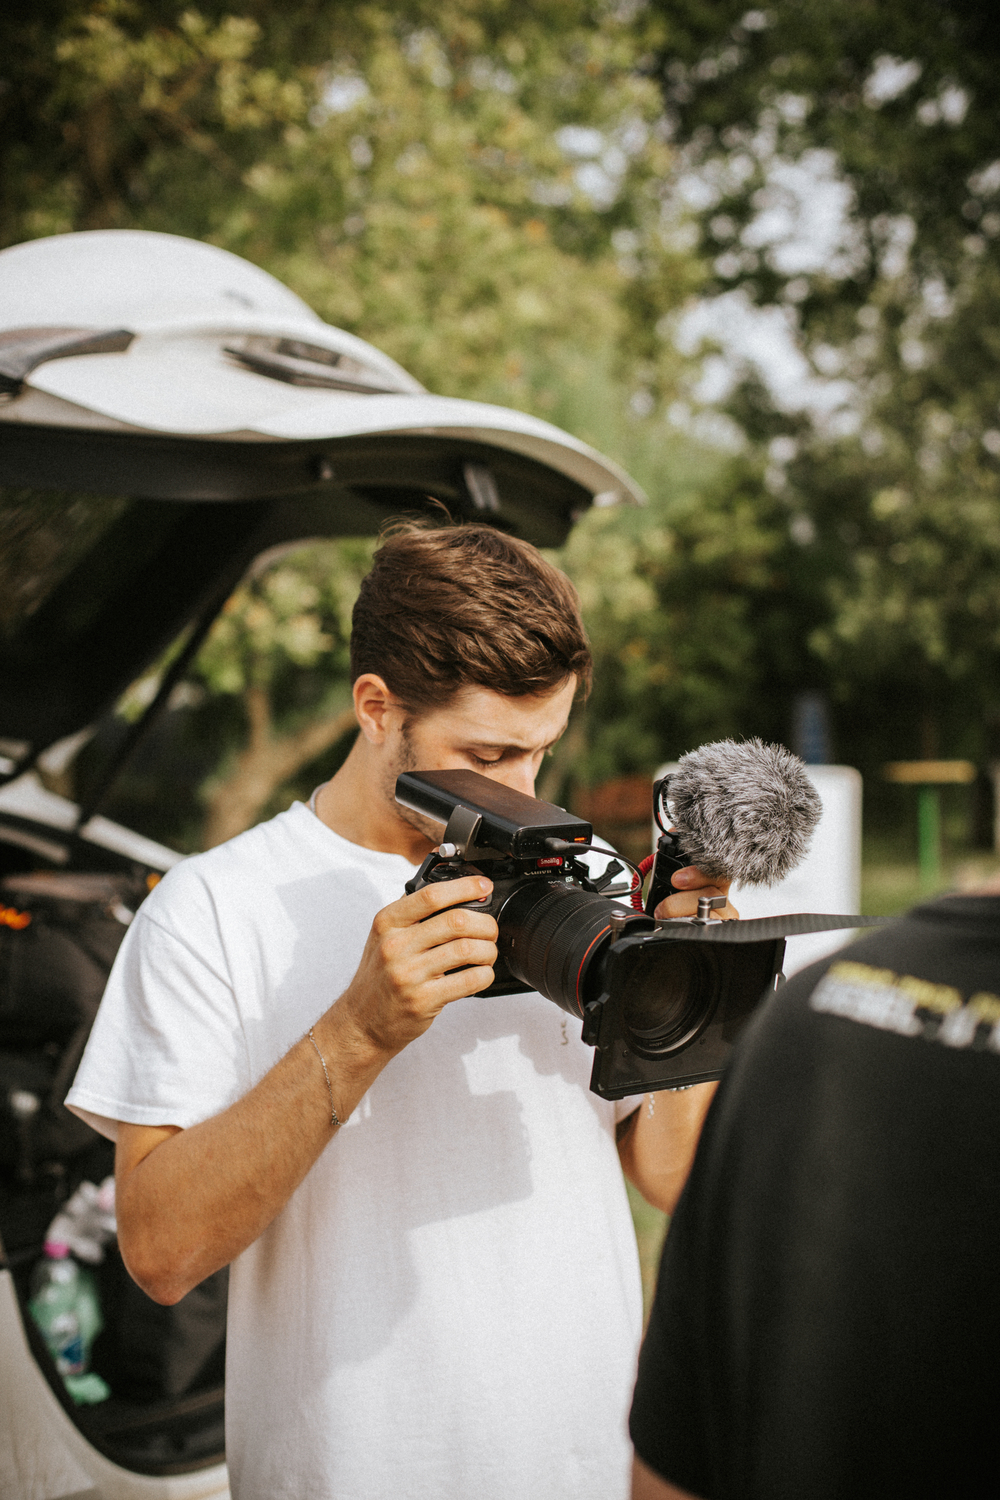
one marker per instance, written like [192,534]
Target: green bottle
[65,1306]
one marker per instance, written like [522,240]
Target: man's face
[479,730]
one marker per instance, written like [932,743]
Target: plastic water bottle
[65,1306]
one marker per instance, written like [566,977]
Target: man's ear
[377,709]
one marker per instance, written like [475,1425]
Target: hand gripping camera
[660,1001]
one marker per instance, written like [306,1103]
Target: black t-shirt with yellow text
[827,1318]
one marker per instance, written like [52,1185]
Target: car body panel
[44,1456]
[226,418]
[27,807]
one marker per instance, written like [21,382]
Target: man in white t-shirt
[434,1291]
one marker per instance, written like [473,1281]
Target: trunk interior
[165,1366]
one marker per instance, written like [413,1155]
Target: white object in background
[827,880]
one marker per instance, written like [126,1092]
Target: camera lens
[669,997]
[552,936]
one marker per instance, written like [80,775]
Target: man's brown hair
[451,606]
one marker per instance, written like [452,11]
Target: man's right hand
[423,951]
[190,1201]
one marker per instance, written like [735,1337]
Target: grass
[890,881]
[650,1228]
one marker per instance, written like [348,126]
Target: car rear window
[44,535]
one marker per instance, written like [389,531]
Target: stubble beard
[407,761]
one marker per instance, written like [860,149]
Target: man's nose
[519,776]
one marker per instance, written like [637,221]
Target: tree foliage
[280,648]
[474,187]
[498,195]
[700,611]
[890,482]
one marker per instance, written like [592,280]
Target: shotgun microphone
[742,811]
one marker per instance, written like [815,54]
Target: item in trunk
[65,1306]
[53,969]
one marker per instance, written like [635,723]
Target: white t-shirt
[448,1307]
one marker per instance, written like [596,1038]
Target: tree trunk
[266,764]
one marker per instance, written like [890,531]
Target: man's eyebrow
[498,745]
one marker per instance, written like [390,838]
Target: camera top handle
[669,856]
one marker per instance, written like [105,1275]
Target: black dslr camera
[661,1001]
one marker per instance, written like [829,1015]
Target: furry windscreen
[744,811]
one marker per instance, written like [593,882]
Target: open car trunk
[164,1366]
[169,414]
[95,586]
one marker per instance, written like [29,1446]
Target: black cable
[563,846]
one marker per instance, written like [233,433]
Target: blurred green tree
[698,625]
[280,647]
[475,188]
[847,163]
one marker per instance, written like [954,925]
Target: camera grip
[437,868]
[670,857]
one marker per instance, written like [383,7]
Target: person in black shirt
[827,1317]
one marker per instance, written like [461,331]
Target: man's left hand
[690,883]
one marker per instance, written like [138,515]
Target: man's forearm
[190,1201]
[647,1485]
[657,1149]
